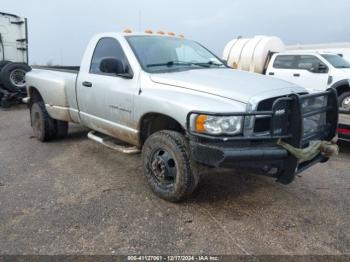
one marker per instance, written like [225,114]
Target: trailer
[13,58]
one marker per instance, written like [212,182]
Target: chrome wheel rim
[346,102]
[17,78]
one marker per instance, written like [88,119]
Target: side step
[113,143]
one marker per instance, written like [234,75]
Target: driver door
[311,73]
[105,99]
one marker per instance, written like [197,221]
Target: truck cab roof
[307,52]
[124,34]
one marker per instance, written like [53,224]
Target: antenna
[140,20]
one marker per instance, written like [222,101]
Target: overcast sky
[60,29]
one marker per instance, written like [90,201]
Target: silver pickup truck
[180,105]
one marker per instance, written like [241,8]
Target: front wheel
[344,100]
[167,166]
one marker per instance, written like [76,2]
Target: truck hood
[346,70]
[232,84]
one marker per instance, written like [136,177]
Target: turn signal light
[200,122]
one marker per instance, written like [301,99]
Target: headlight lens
[314,122]
[217,125]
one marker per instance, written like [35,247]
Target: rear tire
[168,167]
[62,129]
[344,100]
[12,76]
[5,103]
[44,127]
[2,64]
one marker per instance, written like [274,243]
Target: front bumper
[262,151]
[262,157]
[224,156]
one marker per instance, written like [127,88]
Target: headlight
[314,122]
[217,125]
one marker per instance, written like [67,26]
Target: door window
[311,63]
[285,62]
[108,48]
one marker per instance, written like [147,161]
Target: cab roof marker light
[181,36]
[171,34]
[128,31]
[149,31]
[160,33]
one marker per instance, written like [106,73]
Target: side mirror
[322,68]
[114,66]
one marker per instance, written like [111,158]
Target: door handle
[271,73]
[87,84]
[296,75]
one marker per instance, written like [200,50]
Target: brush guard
[298,121]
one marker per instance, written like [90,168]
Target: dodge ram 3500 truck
[180,105]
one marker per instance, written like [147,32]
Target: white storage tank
[250,54]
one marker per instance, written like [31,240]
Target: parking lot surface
[77,197]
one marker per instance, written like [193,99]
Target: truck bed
[57,85]
[66,69]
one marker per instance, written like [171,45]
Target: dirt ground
[77,197]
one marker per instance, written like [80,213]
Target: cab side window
[285,62]
[312,64]
[108,48]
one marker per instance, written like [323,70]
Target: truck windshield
[337,61]
[158,54]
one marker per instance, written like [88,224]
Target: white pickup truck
[317,71]
[177,102]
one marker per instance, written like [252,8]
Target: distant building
[338,48]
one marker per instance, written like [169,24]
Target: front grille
[263,123]
[285,118]
[266,105]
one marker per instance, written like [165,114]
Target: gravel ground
[77,197]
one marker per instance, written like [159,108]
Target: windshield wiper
[180,63]
[170,64]
[209,63]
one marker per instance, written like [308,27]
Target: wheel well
[34,95]
[342,88]
[155,122]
